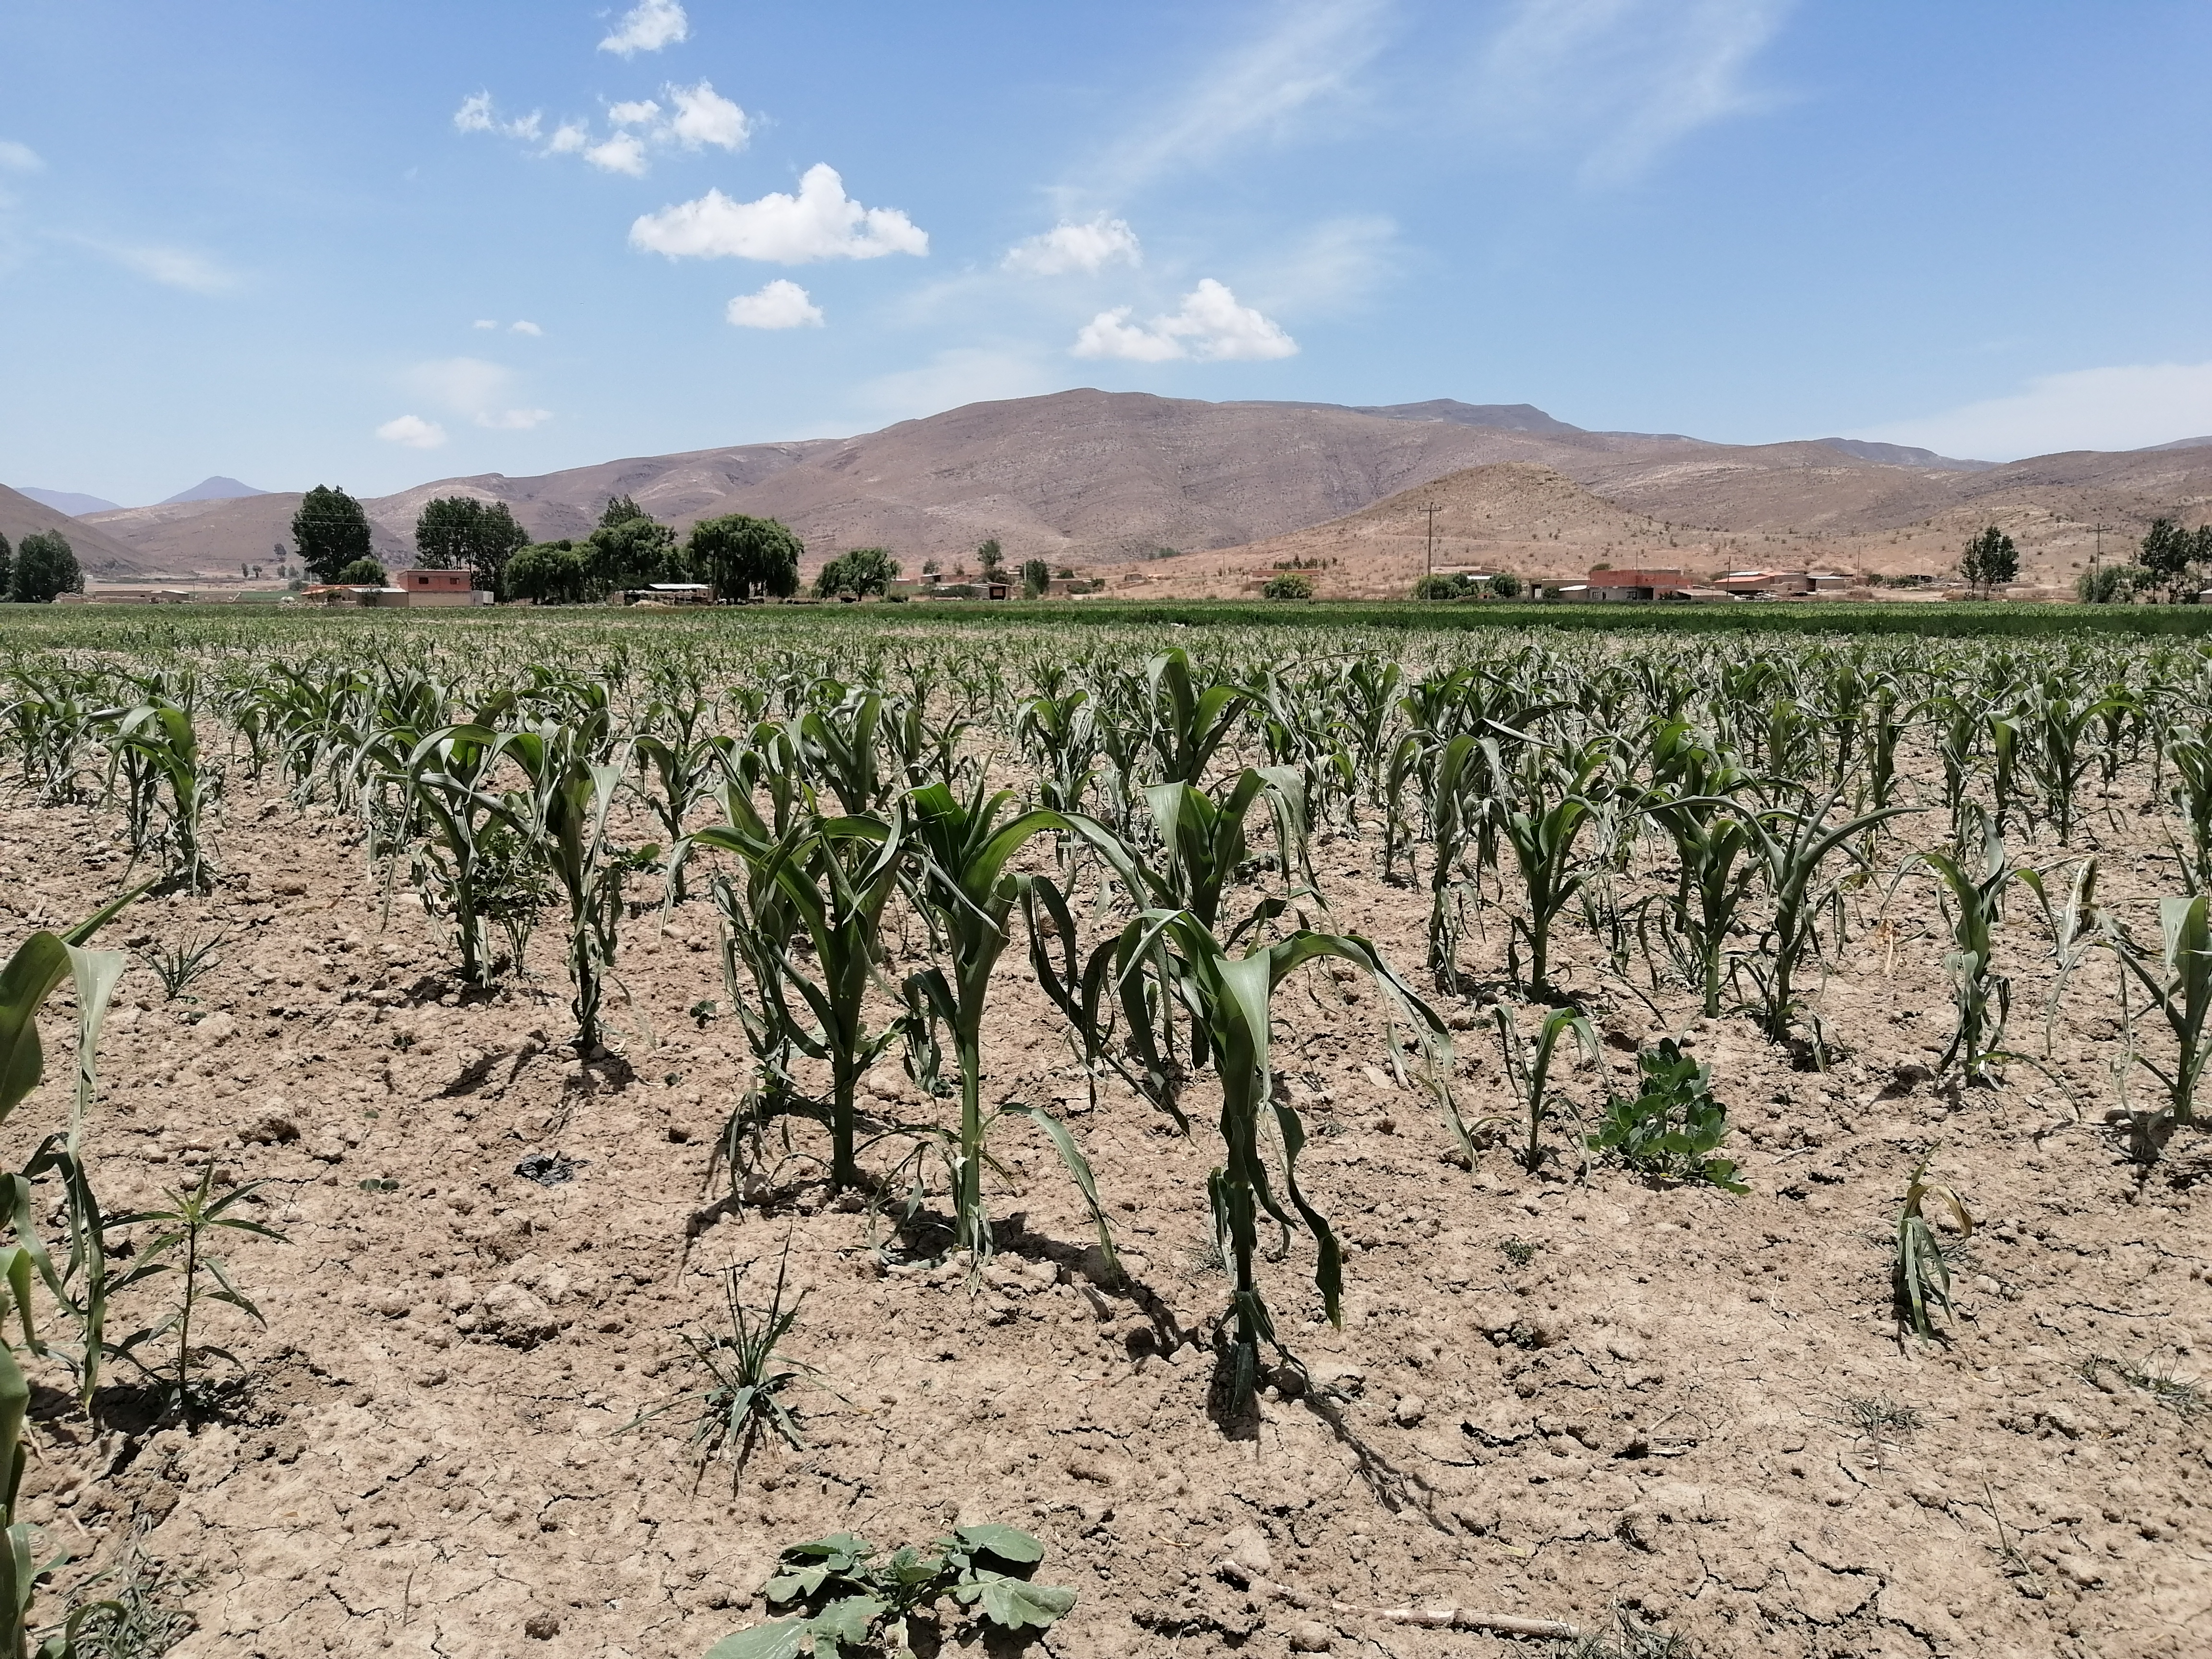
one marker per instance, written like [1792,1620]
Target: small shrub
[1670,1128]
[1288,586]
[1519,1251]
[861,1598]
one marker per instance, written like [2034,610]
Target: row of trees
[2171,563]
[43,566]
[743,557]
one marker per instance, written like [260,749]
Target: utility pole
[1428,559]
[2098,557]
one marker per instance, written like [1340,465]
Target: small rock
[1311,1636]
[1247,1547]
[1410,1410]
[541,1627]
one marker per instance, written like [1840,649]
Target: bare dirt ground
[1692,1406]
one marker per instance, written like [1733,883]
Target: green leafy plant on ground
[1670,1128]
[860,1597]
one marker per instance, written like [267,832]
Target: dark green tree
[992,558]
[7,565]
[45,566]
[863,571]
[362,573]
[1036,574]
[629,550]
[619,507]
[742,556]
[2174,558]
[1505,585]
[2111,584]
[460,532]
[1990,560]
[546,573]
[331,532]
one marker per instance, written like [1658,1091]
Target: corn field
[1483,869]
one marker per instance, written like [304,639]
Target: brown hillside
[98,552]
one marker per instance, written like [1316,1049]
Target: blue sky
[372,244]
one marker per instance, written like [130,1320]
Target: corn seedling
[1920,1274]
[1791,845]
[1973,904]
[157,761]
[1185,725]
[177,966]
[860,1598]
[179,1248]
[1692,799]
[828,884]
[2179,983]
[747,1375]
[1529,1067]
[1548,807]
[1670,1129]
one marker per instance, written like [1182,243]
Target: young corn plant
[1549,806]
[2190,754]
[168,791]
[1528,1068]
[825,884]
[1791,846]
[1206,846]
[2177,983]
[180,1248]
[1231,999]
[1693,799]
[1972,896]
[1920,1275]
[1184,724]
[960,883]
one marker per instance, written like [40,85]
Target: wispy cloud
[19,158]
[1210,326]
[695,117]
[2131,406]
[1310,56]
[172,267]
[1618,81]
[963,375]
[647,26]
[470,387]
[820,223]
[1067,247]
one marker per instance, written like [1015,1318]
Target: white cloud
[782,304]
[19,158]
[1068,247]
[1311,58]
[624,153]
[486,322]
[1619,80]
[412,432]
[704,116]
[569,138]
[477,114]
[1210,326]
[632,115]
[2126,407]
[515,420]
[1332,266]
[820,223]
[647,26]
[524,327]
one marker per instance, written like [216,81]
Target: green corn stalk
[836,743]
[158,755]
[960,883]
[832,880]
[2191,757]
[447,781]
[1205,843]
[1973,904]
[1920,1274]
[2057,758]
[1692,799]
[1059,736]
[1231,998]
[1185,724]
[1540,822]
[1791,846]
[1529,1067]
[2179,982]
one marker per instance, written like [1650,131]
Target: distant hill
[98,552]
[217,488]
[66,500]
[1094,478]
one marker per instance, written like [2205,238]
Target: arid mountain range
[1204,496]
